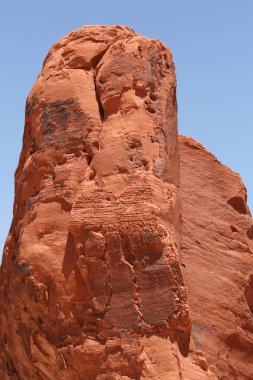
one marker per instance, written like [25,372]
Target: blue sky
[212,45]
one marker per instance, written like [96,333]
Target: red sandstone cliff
[91,281]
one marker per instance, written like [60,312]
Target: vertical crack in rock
[137,296]
[100,107]
[110,286]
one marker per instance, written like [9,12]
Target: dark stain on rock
[25,336]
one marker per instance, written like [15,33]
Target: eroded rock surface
[91,273]
[91,283]
[217,254]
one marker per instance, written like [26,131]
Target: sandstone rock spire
[91,264]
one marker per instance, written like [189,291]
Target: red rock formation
[91,285]
[217,250]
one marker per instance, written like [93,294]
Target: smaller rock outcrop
[217,254]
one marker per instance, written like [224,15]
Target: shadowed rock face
[217,252]
[91,281]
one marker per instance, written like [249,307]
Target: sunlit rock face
[91,265]
[91,283]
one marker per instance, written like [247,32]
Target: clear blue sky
[212,44]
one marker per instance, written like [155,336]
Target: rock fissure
[100,107]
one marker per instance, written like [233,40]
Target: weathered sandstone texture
[217,255]
[91,283]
